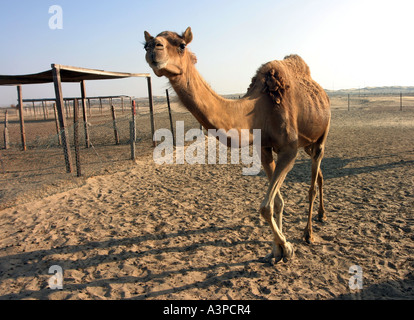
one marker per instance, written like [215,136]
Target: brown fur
[275,76]
[283,101]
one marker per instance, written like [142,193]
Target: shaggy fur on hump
[274,78]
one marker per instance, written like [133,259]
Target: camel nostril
[159,45]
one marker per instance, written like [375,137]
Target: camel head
[167,53]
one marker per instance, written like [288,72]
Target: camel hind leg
[316,151]
[321,212]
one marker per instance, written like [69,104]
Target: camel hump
[274,78]
[271,79]
[297,65]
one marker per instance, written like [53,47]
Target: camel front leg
[269,167]
[285,162]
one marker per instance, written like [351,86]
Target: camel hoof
[322,217]
[277,253]
[267,259]
[287,252]
[308,237]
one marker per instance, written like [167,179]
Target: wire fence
[41,170]
[361,100]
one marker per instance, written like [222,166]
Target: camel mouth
[158,65]
[161,68]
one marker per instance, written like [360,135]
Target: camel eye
[146,46]
[182,46]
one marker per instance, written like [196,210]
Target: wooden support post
[151,106]
[100,104]
[57,124]
[76,137]
[115,127]
[122,103]
[6,130]
[85,114]
[21,116]
[401,101]
[61,115]
[170,115]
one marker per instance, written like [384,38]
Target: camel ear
[188,35]
[148,37]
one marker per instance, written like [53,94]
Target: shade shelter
[58,74]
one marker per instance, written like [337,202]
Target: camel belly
[312,124]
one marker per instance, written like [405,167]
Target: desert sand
[194,231]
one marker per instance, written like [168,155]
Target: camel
[283,101]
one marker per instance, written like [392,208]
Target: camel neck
[209,108]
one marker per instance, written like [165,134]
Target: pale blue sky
[347,44]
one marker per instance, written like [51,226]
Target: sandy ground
[194,231]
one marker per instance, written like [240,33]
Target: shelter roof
[67,74]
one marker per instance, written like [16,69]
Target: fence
[106,147]
[360,100]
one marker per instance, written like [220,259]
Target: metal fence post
[151,106]
[133,132]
